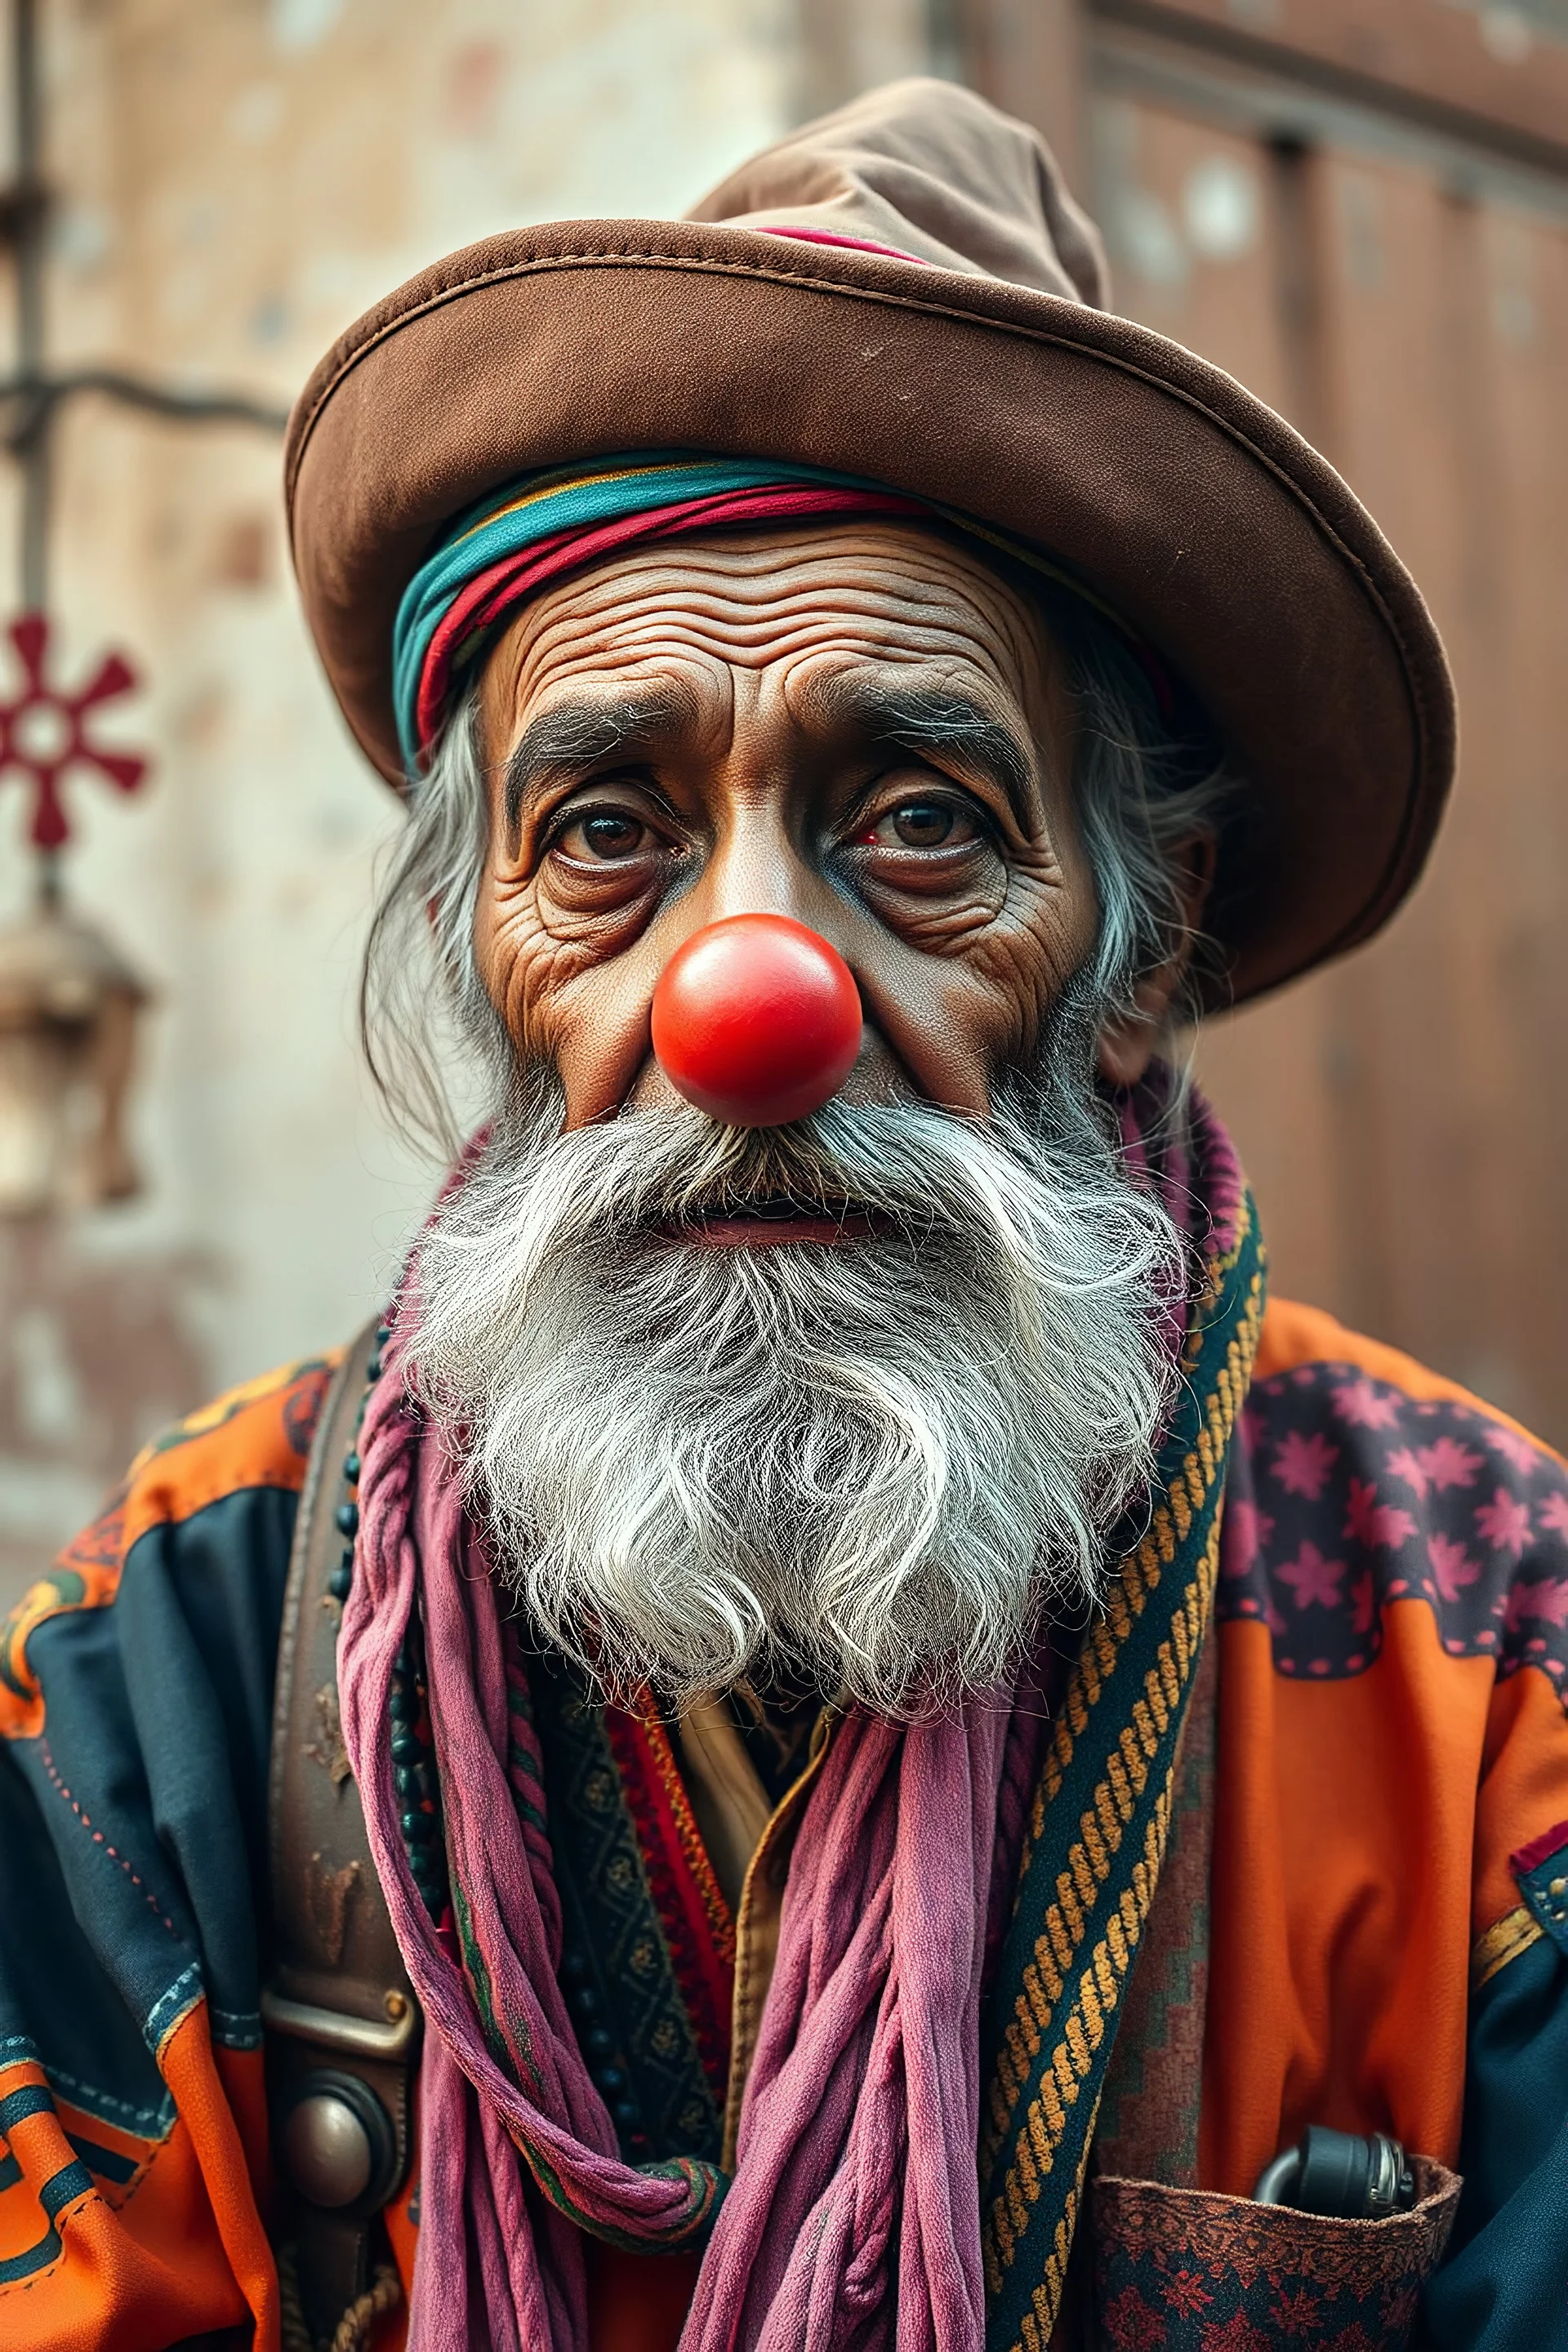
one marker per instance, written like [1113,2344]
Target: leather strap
[339,2001]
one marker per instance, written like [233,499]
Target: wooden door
[1359,210]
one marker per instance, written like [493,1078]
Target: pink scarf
[852,2219]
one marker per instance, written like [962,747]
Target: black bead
[348,1518]
[574,1968]
[586,2000]
[610,2079]
[350,1467]
[420,1827]
[601,2043]
[373,1369]
[405,1749]
[626,2113]
[340,1584]
[401,1704]
[383,1334]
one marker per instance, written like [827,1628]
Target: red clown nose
[756,1020]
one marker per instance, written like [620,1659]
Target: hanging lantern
[68,1000]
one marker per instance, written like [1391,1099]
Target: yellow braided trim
[1140,1573]
[1035,2332]
[1126,1772]
[1099,1984]
[1099,1991]
[1088,1863]
[1502,1941]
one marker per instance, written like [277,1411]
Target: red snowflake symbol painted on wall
[44,731]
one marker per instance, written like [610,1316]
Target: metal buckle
[335,2029]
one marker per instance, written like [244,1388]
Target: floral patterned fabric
[1347,1493]
[1177,2269]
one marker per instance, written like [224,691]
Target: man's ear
[1128,1039]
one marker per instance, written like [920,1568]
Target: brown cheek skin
[958,955]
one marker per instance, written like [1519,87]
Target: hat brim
[1176,496]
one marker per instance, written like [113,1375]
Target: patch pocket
[1182,2270]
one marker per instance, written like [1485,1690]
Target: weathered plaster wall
[236,180]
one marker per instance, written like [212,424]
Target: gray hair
[1142,793]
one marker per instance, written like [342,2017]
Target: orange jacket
[1388,1937]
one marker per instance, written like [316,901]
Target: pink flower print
[1364,1406]
[1244,1529]
[1301,1464]
[1554,1514]
[1407,1466]
[1381,1527]
[1519,1451]
[1314,1580]
[1364,1604]
[1545,1599]
[1451,1565]
[1504,1522]
[1448,1463]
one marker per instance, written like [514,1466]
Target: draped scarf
[857,2215]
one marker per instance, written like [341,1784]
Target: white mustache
[873,1461]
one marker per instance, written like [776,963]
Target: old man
[828,1737]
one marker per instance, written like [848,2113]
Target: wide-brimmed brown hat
[905,290]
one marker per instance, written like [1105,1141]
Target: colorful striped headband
[517,539]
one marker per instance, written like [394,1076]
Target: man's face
[862,727]
[876,1461]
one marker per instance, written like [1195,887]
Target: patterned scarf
[855,2216]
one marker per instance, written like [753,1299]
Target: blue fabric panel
[137,1853]
[56,2004]
[1504,2286]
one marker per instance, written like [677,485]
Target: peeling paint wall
[236,180]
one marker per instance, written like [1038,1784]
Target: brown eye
[924,824]
[919,825]
[608,835]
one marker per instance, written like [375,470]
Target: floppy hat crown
[904,291]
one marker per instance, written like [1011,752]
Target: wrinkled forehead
[804,609]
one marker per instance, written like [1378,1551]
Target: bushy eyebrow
[576,735]
[924,719]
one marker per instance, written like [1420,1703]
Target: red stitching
[147,1896]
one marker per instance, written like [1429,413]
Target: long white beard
[874,1461]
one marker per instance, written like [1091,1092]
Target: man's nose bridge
[757,865]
